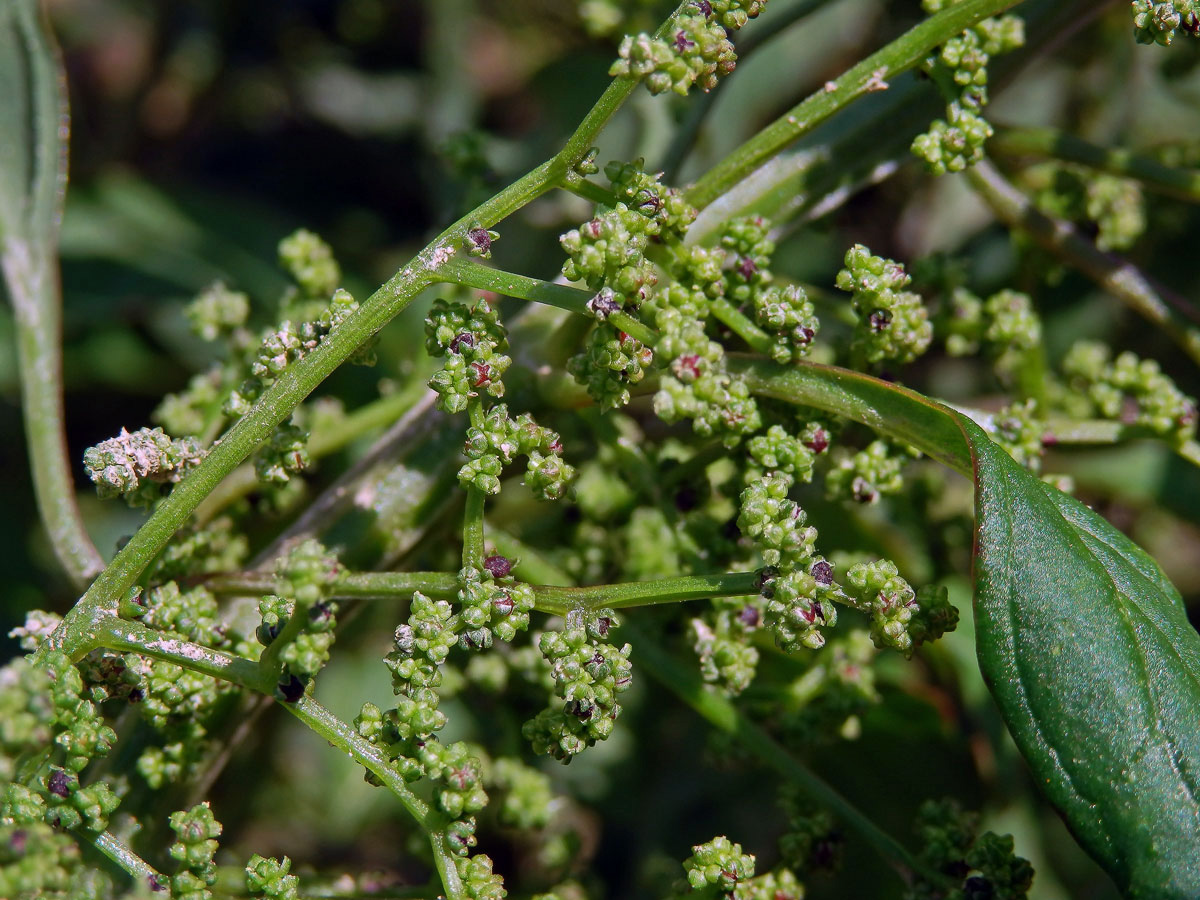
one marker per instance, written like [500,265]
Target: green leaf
[1083,641]
[1088,652]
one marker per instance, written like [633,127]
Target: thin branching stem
[472,274]
[872,74]
[1181,184]
[1118,276]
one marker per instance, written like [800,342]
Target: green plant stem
[588,189]
[560,600]
[472,553]
[554,599]
[471,274]
[343,737]
[349,586]
[133,637]
[324,442]
[869,75]
[1120,278]
[742,326]
[757,34]
[143,874]
[1048,142]
[1090,432]
[723,715]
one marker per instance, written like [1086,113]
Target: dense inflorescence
[960,69]
[982,865]
[137,465]
[1129,389]
[1156,23]
[893,324]
[689,473]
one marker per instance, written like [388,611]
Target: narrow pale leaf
[32,170]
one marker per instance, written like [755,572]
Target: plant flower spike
[758,499]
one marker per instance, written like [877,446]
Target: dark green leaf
[1088,651]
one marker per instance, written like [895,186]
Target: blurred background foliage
[204,131]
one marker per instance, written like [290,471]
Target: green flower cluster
[1006,324]
[696,51]
[37,861]
[217,312]
[270,878]
[527,795]
[216,546]
[289,342]
[609,251]
[480,882]
[718,864]
[797,586]
[196,832]
[1155,23]
[780,884]
[788,315]
[499,439]
[867,475]
[812,842]
[611,362]
[960,68]
[48,702]
[588,675]
[78,727]
[983,865]
[700,388]
[457,777]
[298,621]
[901,618]
[1133,390]
[893,324]
[136,466]
[1112,206]
[308,311]
[964,58]
[721,640]
[490,606]
[645,193]
[189,412]
[473,342]
[177,703]
[1019,430]
[827,700]
[284,454]
[954,143]
[311,264]
[785,313]
[780,451]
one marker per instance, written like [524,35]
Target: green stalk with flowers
[670,386]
